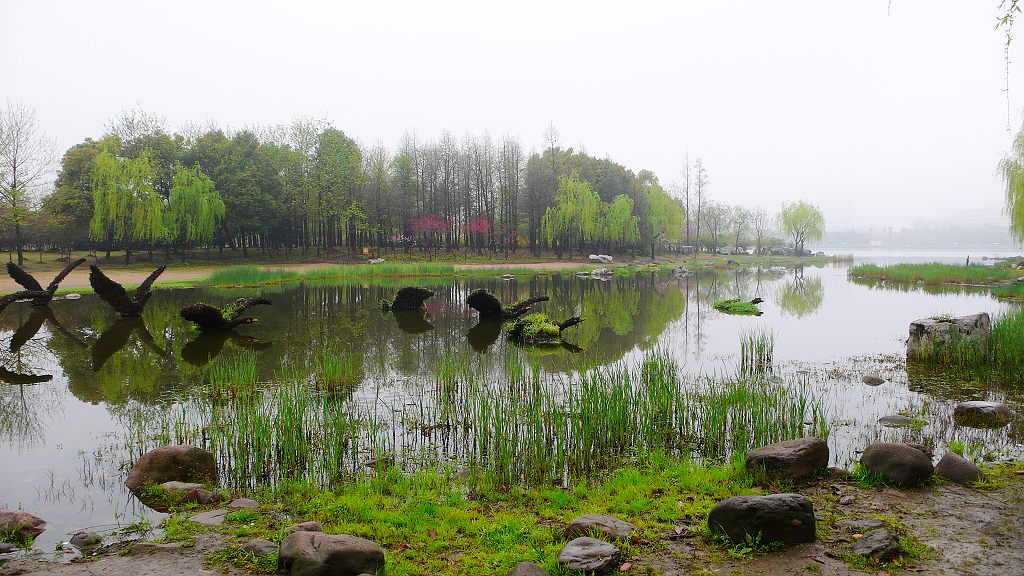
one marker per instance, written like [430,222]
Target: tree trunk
[17,239]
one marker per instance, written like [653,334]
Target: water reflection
[484,334]
[799,296]
[207,346]
[412,321]
[117,336]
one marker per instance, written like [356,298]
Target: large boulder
[956,468]
[259,547]
[177,462]
[20,524]
[786,518]
[928,333]
[607,526]
[898,464]
[978,414]
[879,544]
[792,459]
[586,554]
[319,554]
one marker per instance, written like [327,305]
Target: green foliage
[195,205]
[802,221]
[737,306]
[1012,170]
[126,206]
[931,274]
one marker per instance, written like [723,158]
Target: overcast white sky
[881,116]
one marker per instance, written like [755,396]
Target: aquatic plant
[1002,349]
[757,347]
[934,273]
[737,306]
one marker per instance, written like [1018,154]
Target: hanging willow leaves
[126,205]
[195,205]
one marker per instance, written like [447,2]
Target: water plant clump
[739,307]
[935,273]
[757,348]
[1001,349]
[537,330]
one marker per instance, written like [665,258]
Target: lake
[325,385]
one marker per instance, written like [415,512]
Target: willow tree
[663,215]
[126,206]
[574,215]
[803,221]
[618,224]
[1012,170]
[196,207]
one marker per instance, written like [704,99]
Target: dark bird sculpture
[408,298]
[490,307]
[210,319]
[29,283]
[114,294]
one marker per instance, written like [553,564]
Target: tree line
[308,188]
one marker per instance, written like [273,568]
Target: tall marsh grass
[255,275]
[523,426]
[934,273]
[757,349]
[1002,349]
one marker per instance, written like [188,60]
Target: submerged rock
[587,554]
[20,524]
[319,554]
[86,540]
[607,526]
[879,544]
[786,518]
[900,421]
[956,468]
[928,333]
[873,380]
[898,464]
[978,414]
[792,459]
[177,462]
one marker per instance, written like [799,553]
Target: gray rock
[879,544]
[872,380]
[304,527]
[897,464]
[978,414]
[956,468]
[319,554]
[528,569]
[245,503]
[86,540]
[586,554]
[862,525]
[175,486]
[786,518]
[607,526]
[897,421]
[6,548]
[928,333]
[922,449]
[259,547]
[600,258]
[211,518]
[792,459]
[178,462]
[21,524]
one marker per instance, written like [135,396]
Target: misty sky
[880,115]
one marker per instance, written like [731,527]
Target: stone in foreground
[319,554]
[956,468]
[20,524]
[259,547]
[86,540]
[897,464]
[191,492]
[786,518]
[587,554]
[177,462]
[979,414]
[528,569]
[873,380]
[599,524]
[309,526]
[878,544]
[929,333]
[793,459]
[244,503]
[211,518]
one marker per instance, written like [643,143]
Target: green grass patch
[1002,349]
[934,273]
[737,306]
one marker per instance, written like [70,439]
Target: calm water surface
[105,386]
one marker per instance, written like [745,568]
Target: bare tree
[701,182]
[686,197]
[761,223]
[26,157]
[740,221]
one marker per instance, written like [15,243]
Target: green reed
[934,273]
[250,276]
[521,426]
[757,348]
[1002,349]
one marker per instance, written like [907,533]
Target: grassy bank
[1003,349]
[934,273]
